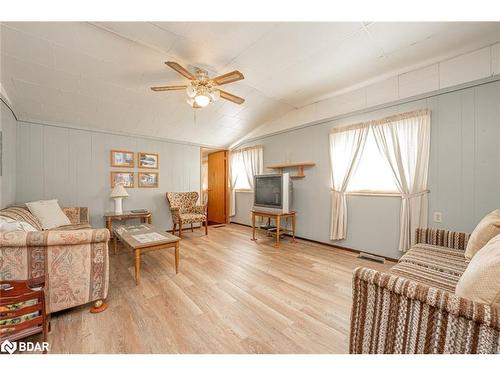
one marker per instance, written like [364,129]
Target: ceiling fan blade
[233,76]
[231,97]
[180,69]
[168,88]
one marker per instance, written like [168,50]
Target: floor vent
[375,258]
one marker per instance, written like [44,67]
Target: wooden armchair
[185,211]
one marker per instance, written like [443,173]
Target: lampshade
[119,191]
[202,100]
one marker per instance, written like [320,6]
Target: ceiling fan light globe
[215,95]
[190,91]
[202,100]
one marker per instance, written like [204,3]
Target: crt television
[273,193]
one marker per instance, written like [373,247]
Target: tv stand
[277,217]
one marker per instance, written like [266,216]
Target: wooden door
[218,204]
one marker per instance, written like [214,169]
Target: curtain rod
[384,120]
[247,148]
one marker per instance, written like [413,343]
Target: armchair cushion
[192,218]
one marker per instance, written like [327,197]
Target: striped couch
[72,261]
[412,308]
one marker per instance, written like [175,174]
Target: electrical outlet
[438,217]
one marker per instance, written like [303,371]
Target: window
[373,173]
[204,175]
[238,168]
[245,164]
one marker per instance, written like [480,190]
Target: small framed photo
[148,179]
[122,159]
[124,178]
[148,160]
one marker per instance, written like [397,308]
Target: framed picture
[148,160]
[123,159]
[148,179]
[125,178]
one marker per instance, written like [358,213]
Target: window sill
[243,191]
[374,194]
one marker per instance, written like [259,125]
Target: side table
[126,215]
[277,217]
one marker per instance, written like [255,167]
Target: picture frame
[122,158]
[122,177]
[148,160]
[148,179]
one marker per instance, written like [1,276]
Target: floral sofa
[72,260]
[413,307]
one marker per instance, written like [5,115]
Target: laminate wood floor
[232,295]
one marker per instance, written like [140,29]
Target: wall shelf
[299,166]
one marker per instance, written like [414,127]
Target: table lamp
[118,194]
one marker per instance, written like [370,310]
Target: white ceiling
[98,75]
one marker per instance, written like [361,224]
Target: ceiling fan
[202,90]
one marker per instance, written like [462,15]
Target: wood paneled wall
[8,179]
[464,175]
[74,167]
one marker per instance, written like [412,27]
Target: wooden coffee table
[142,238]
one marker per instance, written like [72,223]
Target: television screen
[268,191]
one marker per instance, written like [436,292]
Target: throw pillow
[11,225]
[487,228]
[481,280]
[48,213]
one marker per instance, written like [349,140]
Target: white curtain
[404,142]
[244,164]
[233,178]
[253,163]
[346,146]
[204,182]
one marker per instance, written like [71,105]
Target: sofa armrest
[53,238]
[392,314]
[200,209]
[73,265]
[77,215]
[442,237]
